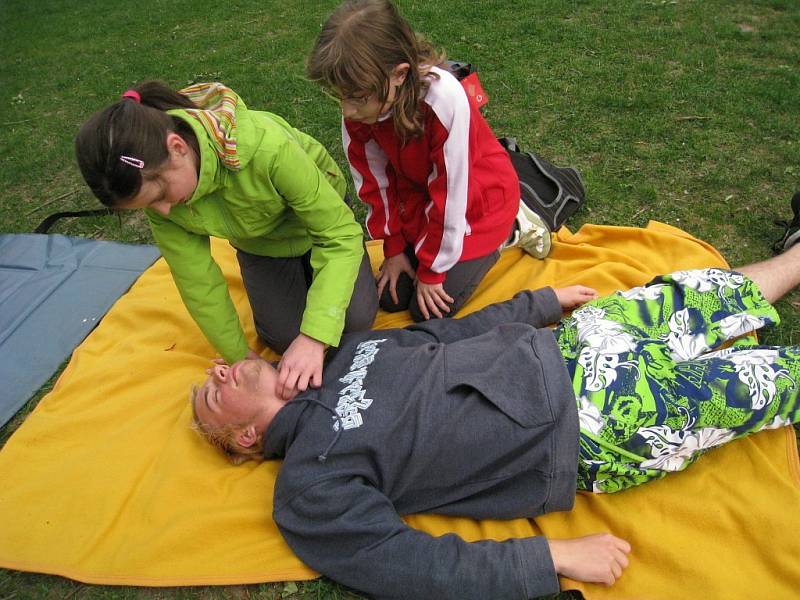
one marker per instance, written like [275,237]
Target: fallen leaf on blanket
[170,348]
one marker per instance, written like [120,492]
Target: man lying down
[496,416]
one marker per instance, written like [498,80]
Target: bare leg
[777,275]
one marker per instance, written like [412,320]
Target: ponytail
[123,144]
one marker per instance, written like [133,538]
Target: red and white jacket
[452,194]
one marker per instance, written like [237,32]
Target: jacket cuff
[326,331]
[546,301]
[425,275]
[393,245]
[537,569]
[234,355]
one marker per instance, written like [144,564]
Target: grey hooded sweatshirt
[472,417]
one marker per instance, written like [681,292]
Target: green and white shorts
[655,391]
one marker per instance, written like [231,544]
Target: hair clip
[133,95]
[133,162]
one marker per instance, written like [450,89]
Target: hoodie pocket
[503,366]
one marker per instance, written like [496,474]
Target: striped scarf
[217,114]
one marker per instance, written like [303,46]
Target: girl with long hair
[441,192]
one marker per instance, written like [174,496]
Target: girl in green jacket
[201,164]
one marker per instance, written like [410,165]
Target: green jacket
[285,198]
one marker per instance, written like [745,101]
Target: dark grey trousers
[460,284]
[277,289]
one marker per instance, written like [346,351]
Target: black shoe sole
[791,233]
[792,237]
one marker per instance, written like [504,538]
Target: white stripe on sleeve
[450,105]
[376,162]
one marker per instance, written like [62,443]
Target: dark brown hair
[132,129]
[358,48]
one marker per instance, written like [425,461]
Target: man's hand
[598,558]
[575,295]
[300,366]
[390,271]
[432,299]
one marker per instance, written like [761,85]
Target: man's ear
[247,436]
[399,73]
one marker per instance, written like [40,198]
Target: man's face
[234,395]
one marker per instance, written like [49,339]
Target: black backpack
[554,193]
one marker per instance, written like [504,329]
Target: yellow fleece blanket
[105,482]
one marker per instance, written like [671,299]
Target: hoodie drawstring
[324,456]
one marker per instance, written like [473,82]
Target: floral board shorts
[654,390]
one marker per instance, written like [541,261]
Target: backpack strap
[458,69]
[48,222]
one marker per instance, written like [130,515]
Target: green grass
[682,111]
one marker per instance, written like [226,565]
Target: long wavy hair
[358,48]
[131,129]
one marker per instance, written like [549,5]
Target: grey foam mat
[53,291]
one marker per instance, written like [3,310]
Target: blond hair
[224,438]
[358,48]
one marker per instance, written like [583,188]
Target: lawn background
[682,111]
